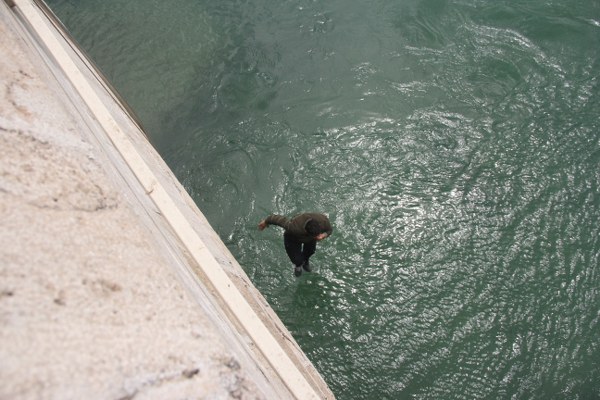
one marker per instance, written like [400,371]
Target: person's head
[312,227]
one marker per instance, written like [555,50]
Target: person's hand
[262,225]
[321,236]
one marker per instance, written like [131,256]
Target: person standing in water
[300,236]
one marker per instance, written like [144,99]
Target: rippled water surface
[455,146]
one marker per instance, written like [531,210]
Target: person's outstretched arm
[274,219]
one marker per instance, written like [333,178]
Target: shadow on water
[313,291]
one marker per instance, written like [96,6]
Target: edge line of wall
[227,291]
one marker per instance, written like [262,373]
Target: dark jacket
[295,227]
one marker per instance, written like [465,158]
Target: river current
[454,144]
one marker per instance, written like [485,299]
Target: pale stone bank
[98,297]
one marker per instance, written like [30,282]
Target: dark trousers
[297,251]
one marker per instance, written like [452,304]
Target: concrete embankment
[112,283]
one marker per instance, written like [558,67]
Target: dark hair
[312,227]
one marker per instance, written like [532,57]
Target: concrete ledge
[265,352]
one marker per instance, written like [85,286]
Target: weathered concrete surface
[90,306]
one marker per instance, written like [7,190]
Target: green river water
[455,145]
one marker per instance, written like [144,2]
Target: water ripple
[454,145]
